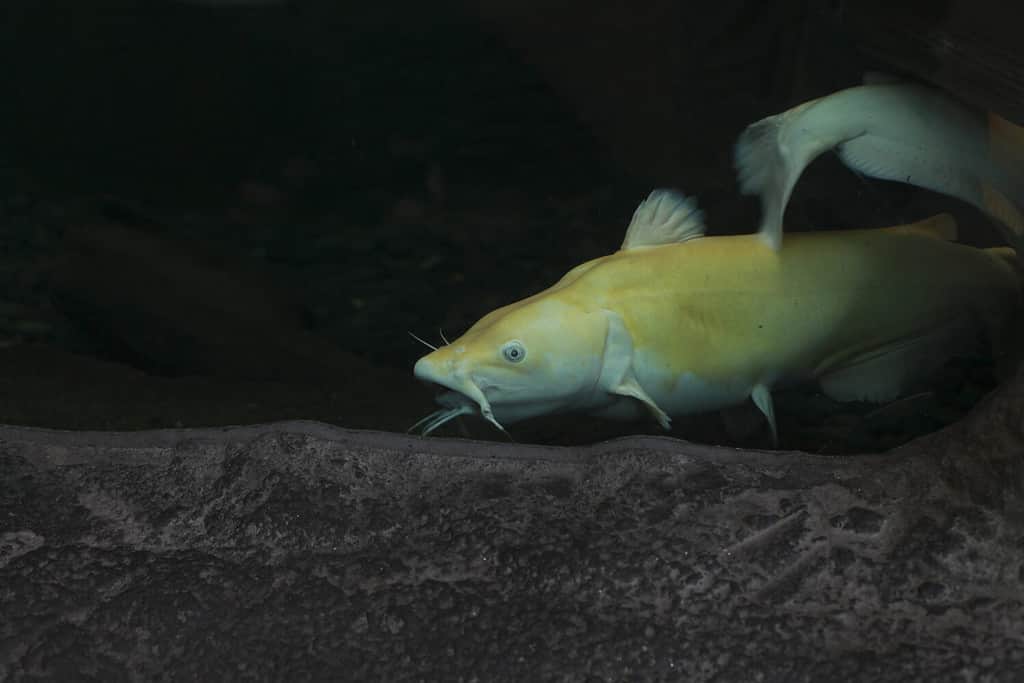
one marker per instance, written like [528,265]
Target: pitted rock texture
[297,551]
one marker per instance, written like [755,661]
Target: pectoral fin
[617,375]
[762,396]
[630,387]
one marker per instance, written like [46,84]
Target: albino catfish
[677,322]
[894,131]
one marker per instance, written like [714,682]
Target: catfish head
[537,356]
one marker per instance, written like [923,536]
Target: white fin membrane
[665,217]
[894,131]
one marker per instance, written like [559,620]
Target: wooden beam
[973,48]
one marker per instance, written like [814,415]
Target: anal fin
[885,373]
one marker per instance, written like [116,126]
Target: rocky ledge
[300,551]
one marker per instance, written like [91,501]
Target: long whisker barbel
[421,341]
[440,417]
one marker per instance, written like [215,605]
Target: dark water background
[229,215]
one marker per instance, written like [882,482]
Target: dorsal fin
[941,226]
[665,217]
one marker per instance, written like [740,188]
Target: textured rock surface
[299,551]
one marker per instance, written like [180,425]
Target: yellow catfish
[898,131]
[677,322]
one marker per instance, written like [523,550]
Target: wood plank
[971,48]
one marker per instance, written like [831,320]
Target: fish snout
[424,369]
[441,368]
[432,369]
[450,373]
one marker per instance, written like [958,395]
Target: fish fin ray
[890,159]
[629,386]
[897,131]
[769,157]
[665,217]
[762,397]
[985,168]
[617,375]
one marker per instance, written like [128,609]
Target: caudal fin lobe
[894,131]
[769,157]
[763,172]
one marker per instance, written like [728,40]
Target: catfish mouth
[455,404]
[466,398]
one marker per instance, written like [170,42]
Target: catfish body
[677,323]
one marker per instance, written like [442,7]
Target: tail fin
[761,165]
[769,157]
[894,131]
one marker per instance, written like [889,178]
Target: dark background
[221,215]
[233,215]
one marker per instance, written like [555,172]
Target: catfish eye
[514,351]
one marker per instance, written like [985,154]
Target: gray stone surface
[296,551]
